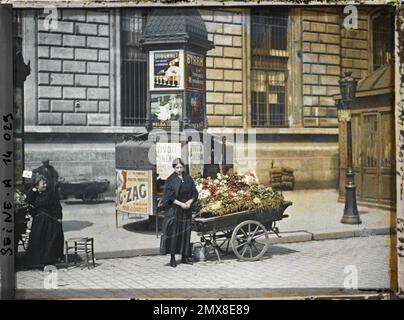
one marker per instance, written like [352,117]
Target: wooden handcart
[245,232]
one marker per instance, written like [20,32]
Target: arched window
[382,38]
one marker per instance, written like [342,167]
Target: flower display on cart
[233,193]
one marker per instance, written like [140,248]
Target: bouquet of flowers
[20,200]
[234,192]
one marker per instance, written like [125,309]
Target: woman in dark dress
[45,245]
[179,195]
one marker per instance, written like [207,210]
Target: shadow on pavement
[273,250]
[75,225]
[141,226]
[90,202]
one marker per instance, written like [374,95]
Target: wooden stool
[84,244]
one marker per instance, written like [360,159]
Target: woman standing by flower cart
[179,195]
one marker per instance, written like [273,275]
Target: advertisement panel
[166,109]
[166,70]
[134,193]
[195,64]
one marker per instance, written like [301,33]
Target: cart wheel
[250,240]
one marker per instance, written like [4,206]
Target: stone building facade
[73,97]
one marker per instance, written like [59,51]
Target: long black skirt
[176,229]
[46,241]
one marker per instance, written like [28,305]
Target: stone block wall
[224,64]
[329,49]
[74,69]
[355,47]
[321,66]
[314,167]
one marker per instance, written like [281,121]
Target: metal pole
[157,224]
[351,215]
[7,247]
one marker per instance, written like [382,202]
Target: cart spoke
[228,243]
[249,229]
[258,236]
[241,229]
[251,253]
[220,246]
[256,248]
[255,231]
[240,245]
[245,249]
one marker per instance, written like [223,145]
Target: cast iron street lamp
[348,90]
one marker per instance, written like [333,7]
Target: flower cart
[236,212]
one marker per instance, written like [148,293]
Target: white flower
[248,180]
[256,200]
[219,176]
[215,181]
[204,194]
[217,205]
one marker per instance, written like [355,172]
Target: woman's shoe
[173,263]
[186,261]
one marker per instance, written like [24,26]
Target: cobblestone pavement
[315,264]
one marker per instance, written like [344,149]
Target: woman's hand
[189,203]
[60,220]
[180,204]
[186,206]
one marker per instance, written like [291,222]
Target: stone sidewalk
[287,270]
[314,215]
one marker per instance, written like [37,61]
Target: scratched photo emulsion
[204,152]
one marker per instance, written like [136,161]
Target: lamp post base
[351,215]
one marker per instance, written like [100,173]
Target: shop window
[269,61]
[133,68]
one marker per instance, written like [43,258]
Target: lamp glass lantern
[347,87]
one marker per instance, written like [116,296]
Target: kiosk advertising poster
[134,191]
[166,70]
[195,109]
[165,154]
[195,158]
[165,109]
[195,71]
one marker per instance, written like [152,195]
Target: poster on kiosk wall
[166,152]
[166,70]
[134,191]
